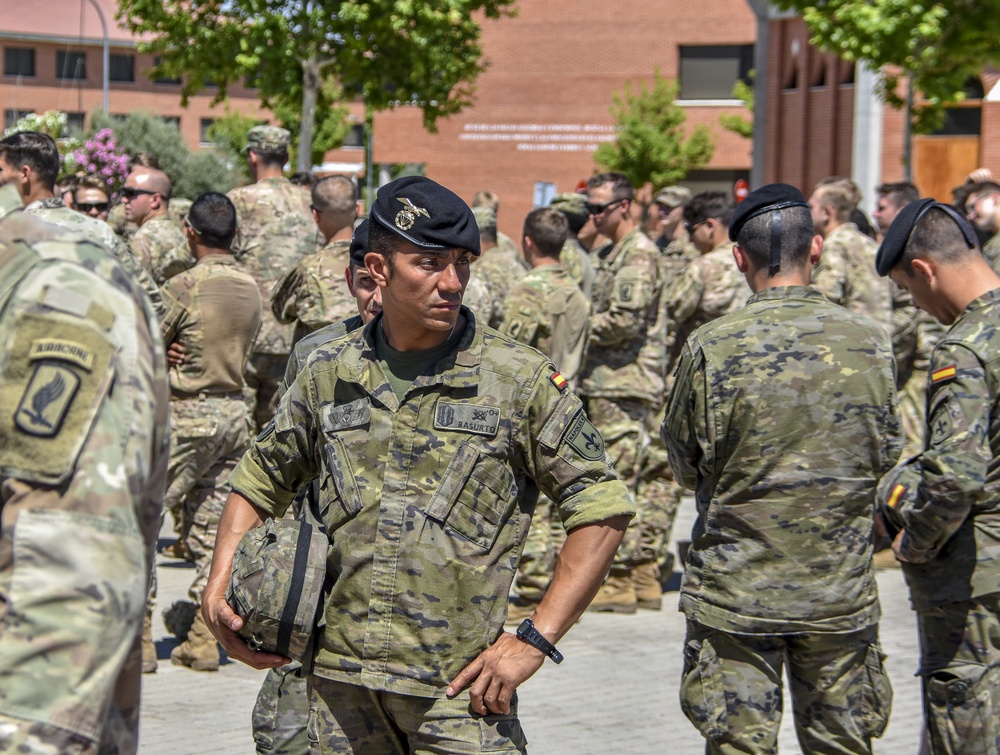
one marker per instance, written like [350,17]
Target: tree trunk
[310,94]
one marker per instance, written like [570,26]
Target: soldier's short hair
[621,186]
[91,181]
[36,150]
[383,241]
[304,178]
[842,194]
[336,194]
[213,217]
[144,160]
[900,193]
[982,187]
[548,228]
[486,198]
[709,204]
[797,233]
[936,235]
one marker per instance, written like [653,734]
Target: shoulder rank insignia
[46,400]
[406,217]
[558,381]
[895,495]
[943,374]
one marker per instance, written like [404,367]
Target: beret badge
[406,217]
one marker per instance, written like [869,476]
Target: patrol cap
[898,235]
[268,139]
[486,217]
[673,196]
[426,214]
[359,244]
[767,199]
[570,203]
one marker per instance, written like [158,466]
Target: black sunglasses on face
[130,192]
[597,209]
[88,206]
[689,227]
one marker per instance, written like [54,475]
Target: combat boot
[178,618]
[148,648]
[199,651]
[648,590]
[178,550]
[617,595]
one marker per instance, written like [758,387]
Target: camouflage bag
[277,586]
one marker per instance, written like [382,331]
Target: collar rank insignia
[558,381]
[406,217]
[943,374]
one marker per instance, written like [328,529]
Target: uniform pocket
[502,732]
[876,701]
[340,496]
[961,709]
[702,698]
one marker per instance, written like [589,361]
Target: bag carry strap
[295,591]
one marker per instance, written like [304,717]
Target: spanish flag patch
[943,374]
[558,381]
[897,493]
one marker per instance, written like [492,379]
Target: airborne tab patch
[943,374]
[46,400]
[585,438]
[60,348]
[558,381]
[469,418]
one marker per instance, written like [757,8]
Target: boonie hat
[268,139]
[426,214]
[673,196]
[896,238]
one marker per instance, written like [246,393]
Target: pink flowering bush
[100,157]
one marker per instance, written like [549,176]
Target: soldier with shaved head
[159,244]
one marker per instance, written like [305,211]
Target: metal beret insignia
[406,217]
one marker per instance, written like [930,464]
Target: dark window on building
[173,120]
[206,124]
[19,61]
[121,68]
[710,72]
[71,64]
[12,116]
[163,79]
[355,137]
[74,122]
[961,121]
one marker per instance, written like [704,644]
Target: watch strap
[527,632]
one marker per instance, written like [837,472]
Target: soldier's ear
[815,249]
[925,268]
[742,259]
[378,267]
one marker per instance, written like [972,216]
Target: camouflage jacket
[52,210]
[275,230]
[310,343]
[476,296]
[991,251]
[427,501]
[161,249]
[674,257]
[708,288]
[499,270]
[548,310]
[577,264]
[947,499]
[314,293]
[625,349]
[782,418]
[213,311]
[83,466]
[846,274]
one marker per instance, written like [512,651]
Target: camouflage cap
[898,235]
[485,217]
[359,245]
[268,139]
[673,196]
[570,203]
[427,214]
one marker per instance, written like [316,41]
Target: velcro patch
[469,418]
[60,348]
[46,400]
[342,416]
[943,374]
[585,438]
[558,381]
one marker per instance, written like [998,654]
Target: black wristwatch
[527,633]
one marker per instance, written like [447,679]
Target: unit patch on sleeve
[585,438]
[46,400]
[558,381]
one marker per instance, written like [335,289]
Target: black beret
[896,238]
[359,244]
[765,199]
[427,214]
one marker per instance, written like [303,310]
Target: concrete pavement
[616,692]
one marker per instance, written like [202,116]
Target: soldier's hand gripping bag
[277,586]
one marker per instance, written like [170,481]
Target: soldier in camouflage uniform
[83,464]
[546,310]
[623,373]
[943,504]
[159,244]
[982,207]
[782,419]
[313,294]
[490,201]
[435,435]
[275,231]
[213,311]
[281,713]
[845,272]
[574,258]
[499,268]
[676,249]
[30,161]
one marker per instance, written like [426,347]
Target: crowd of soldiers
[500,433]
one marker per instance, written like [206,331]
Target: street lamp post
[106,57]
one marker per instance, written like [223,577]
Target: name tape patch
[469,418]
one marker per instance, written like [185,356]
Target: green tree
[738,124]
[939,44]
[389,52]
[229,134]
[651,145]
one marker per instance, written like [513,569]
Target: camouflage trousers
[264,373]
[541,550]
[207,437]
[281,714]
[345,718]
[960,668]
[731,689]
[912,402]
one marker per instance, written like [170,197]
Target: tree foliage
[389,52]
[651,145]
[941,44]
[738,124]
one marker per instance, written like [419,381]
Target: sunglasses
[86,207]
[130,192]
[187,221]
[689,227]
[597,209]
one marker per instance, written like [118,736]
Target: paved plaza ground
[616,692]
